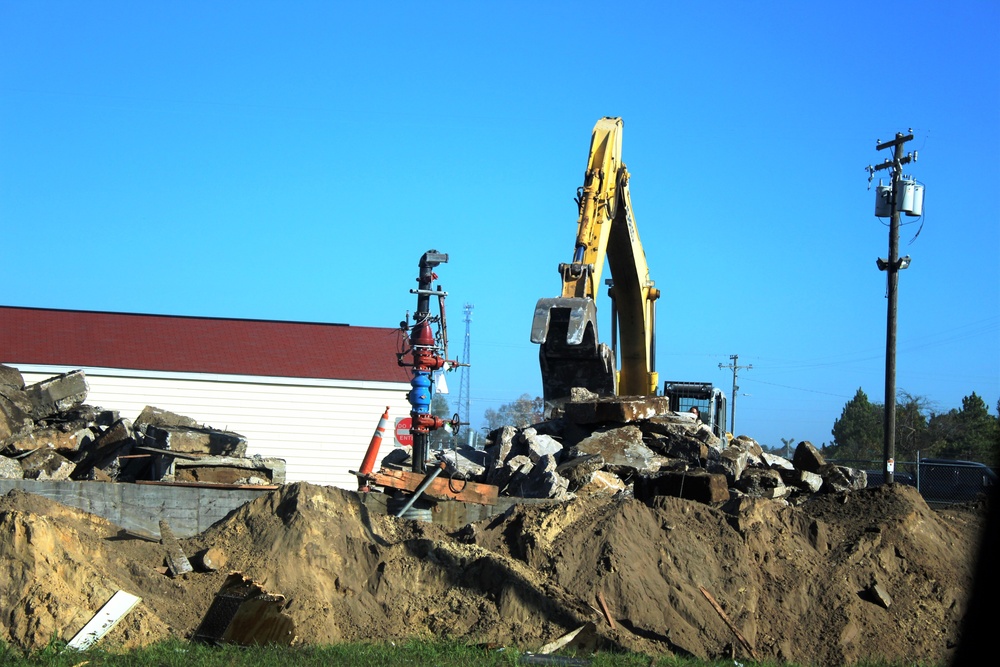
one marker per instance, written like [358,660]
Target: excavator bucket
[570,356]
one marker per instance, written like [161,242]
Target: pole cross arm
[900,139]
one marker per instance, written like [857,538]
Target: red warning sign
[402,432]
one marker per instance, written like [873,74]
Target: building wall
[321,428]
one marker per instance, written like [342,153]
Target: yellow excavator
[566,326]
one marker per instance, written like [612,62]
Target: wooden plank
[604,609]
[566,639]
[104,620]
[439,489]
[206,485]
[168,452]
[732,626]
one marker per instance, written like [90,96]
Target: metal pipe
[420,490]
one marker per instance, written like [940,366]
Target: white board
[113,611]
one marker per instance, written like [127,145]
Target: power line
[787,386]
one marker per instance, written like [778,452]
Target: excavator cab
[709,400]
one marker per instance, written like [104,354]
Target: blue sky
[292,161]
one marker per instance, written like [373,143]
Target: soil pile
[841,578]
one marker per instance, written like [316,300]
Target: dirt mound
[844,577]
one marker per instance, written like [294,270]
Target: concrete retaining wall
[139,507]
[191,510]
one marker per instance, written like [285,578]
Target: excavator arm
[566,326]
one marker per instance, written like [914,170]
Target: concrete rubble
[48,432]
[594,445]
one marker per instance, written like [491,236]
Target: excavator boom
[566,326]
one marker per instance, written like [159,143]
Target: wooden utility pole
[892,268]
[735,368]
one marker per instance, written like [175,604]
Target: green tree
[969,433]
[912,434]
[525,411]
[857,434]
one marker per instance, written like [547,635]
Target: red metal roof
[199,345]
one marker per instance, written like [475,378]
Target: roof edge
[182,317]
[47,369]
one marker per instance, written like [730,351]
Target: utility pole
[900,196]
[735,368]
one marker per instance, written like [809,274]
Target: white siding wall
[321,428]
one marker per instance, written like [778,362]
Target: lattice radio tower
[463,387]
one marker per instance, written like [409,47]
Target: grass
[413,653]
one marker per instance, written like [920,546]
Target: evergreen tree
[857,434]
[969,433]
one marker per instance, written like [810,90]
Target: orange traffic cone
[368,464]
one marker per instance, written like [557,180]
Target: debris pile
[49,432]
[608,445]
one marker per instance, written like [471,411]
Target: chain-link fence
[940,481]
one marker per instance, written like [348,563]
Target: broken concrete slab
[541,481]
[747,444]
[158,417]
[731,463]
[91,415]
[464,462]
[579,471]
[622,409]
[807,457]
[776,462]
[195,440]
[57,394]
[621,447]
[256,470]
[10,377]
[801,479]
[539,445]
[65,438]
[10,468]
[761,483]
[600,482]
[842,478]
[679,435]
[695,485]
[703,432]
[105,453]
[47,464]
[16,412]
